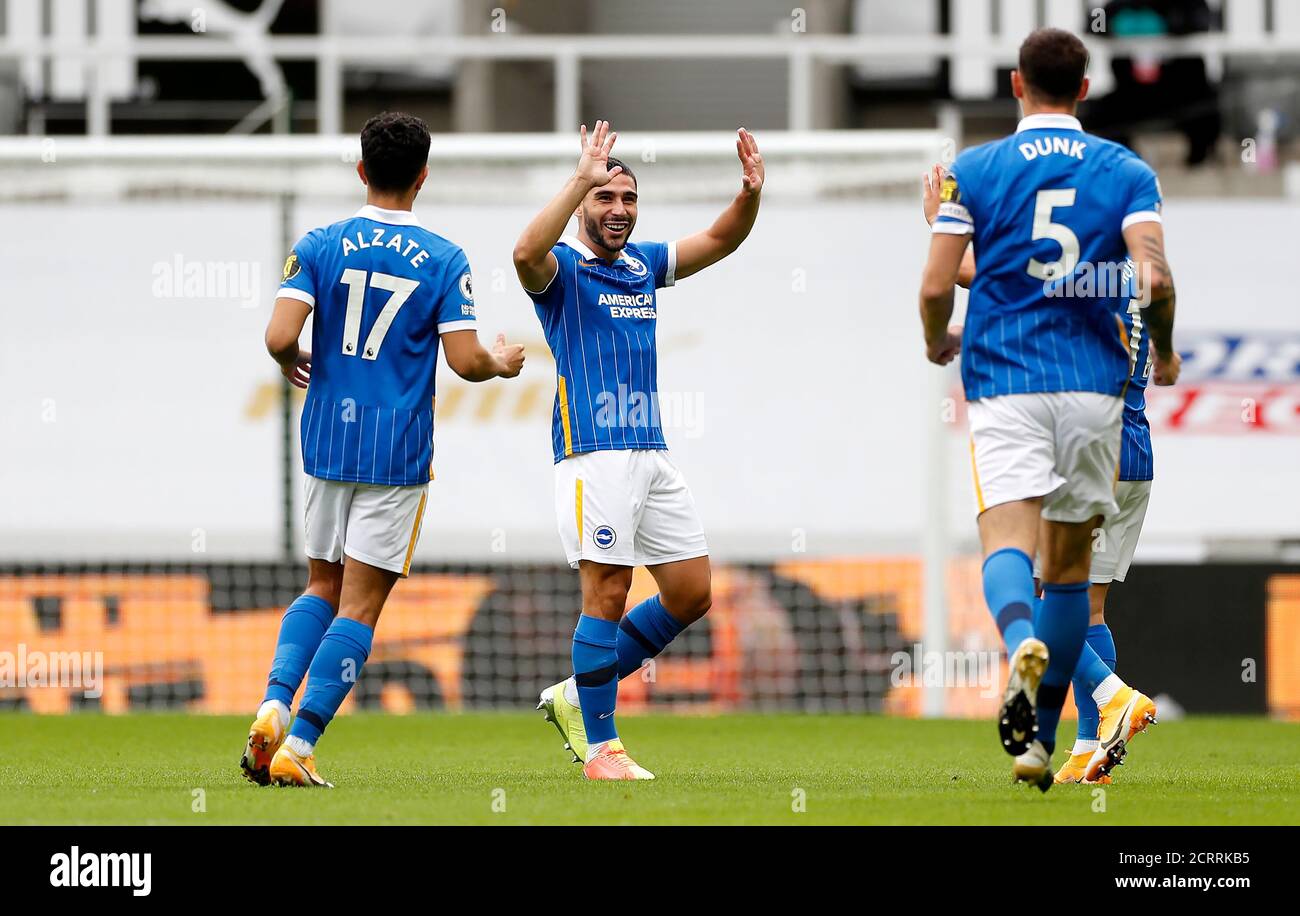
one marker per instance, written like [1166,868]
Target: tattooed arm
[1146,246]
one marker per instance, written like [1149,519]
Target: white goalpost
[815,439]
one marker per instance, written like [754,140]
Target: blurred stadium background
[161,156]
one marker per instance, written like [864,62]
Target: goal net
[152,528]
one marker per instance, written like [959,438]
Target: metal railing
[567,53]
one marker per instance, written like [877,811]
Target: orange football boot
[264,739]
[610,761]
[290,769]
[1126,715]
[1076,769]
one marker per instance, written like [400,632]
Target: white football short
[1060,445]
[626,507]
[375,524]
[1113,550]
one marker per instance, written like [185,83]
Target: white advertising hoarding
[140,416]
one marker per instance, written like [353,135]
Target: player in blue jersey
[385,292]
[620,501]
[1110,712]
[1095,679]
[1045,364]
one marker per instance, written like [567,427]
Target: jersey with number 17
[382,289]
[1047,208]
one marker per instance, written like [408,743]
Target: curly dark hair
[394,148]
[1053,63]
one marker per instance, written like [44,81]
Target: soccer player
[619,499]
[1095,680]
[385,291]
[1044,366]
[1111,712]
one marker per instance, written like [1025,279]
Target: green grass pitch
[739,769]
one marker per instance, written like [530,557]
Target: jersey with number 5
[1047,208]
[382,289]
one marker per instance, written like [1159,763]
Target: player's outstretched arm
[1146,246]
[282,333]
[942,343]
[931,182]
[534,263]
[474,363]
[696,252]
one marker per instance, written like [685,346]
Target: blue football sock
[1062,625]
[1096,661]
[1009,591]
[595,670]
[301,629]
[334,670]
[1103,643]
[643,633]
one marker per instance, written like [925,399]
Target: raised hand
[511,357]
[593,164]
[751,161]
[931,182]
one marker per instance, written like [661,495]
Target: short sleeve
[661,261]
[1143,204]
[553,292]
[297,280]
[455,310]
[954,216]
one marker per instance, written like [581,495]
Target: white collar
[392,217]
[1049,122]
[576,244]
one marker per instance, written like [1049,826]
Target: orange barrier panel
[1282,663]
[158,632]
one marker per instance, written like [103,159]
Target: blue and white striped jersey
[599,321]
[1136,460]
[383,288]
[1046,206]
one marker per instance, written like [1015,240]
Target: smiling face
[608,213]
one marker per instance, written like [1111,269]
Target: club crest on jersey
[635,265]
[604,537]
[291,267]
[949,193]
[467,286]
